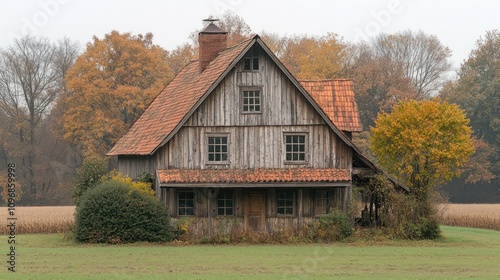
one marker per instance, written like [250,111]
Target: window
[251,61]
[225,203]
[217,149]
[284,202]
[185,203]
[322,202]
[251,101]
[295,147]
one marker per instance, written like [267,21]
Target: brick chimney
[212,40]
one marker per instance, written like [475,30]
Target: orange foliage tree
[109,86]
[314,57]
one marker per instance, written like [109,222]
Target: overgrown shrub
[403,215]
[115,212]
[88,176]
[142,186]
[334,227]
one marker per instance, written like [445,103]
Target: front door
[254,210]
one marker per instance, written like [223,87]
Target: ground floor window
[225,202]
[185,203]
[285,202]
[323,201]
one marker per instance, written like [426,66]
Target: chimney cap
[212,28]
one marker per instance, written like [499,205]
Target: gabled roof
[175,103]
[236,176]
[183,95]
[336,98]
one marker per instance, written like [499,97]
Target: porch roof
[237,176]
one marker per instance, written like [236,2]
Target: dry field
[46,219]
[471,215]
[59,219]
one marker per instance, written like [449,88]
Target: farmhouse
[235,136]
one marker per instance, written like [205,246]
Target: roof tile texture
[252,176]
[336,98]
[173,103]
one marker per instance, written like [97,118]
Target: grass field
[463,253]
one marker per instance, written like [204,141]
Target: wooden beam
[366,172]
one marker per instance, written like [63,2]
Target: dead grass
[46,219]
[485,216]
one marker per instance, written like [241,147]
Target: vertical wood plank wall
[255,140]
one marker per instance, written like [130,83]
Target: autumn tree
[31,72]
[477,91]
[422,58]
[109,86]
[180,57]
[423,143]
[309,57]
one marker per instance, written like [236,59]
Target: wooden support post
[301,210]
[209,210]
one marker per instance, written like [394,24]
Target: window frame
[225,199]
[252,55]
[178,200]
[328,200]
[207,146]
[293,206]
[306,148]
[244,89]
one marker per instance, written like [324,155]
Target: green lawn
[465,253]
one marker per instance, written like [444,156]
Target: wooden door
[254,211]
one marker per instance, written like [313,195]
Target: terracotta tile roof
[252,176]
[165,113]
[336,98]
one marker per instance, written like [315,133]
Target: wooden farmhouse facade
[234,136]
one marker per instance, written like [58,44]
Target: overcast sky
[458,24]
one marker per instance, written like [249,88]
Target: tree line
[60,104]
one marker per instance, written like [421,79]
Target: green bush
[336,226]
[88,176]
[115,212]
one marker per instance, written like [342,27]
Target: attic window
[251,100]
[251,61]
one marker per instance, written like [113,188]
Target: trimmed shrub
[115,212]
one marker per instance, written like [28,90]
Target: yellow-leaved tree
[423,143]
[109,87]
[314,57]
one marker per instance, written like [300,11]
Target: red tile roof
[182,95]
[336,98]
[171,176]
[168,109]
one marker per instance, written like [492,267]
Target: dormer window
[251,61]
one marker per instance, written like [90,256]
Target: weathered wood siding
[205,213]
[133,166]
[256,139]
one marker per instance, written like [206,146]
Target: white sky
[458,24]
